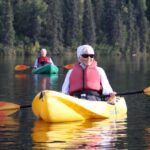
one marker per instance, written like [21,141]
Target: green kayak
[46,69]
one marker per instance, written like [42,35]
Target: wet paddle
[22,67]
[68,66]
[12,108]
[25,67]
[7,108]
[145,91]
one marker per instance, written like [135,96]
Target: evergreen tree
[53,28]
[109,19]
[71,22]
[98,11]
[142,24]
[7,33]
[88,26]
[132,45]
[120,36]
[114,24]
[28,18]
[148,9]
[120,33]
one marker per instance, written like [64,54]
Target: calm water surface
[23,131]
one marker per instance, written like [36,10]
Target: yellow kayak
[52,106]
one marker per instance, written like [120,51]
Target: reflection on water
[8,132]
[125,74]
[147,138]
[80,135]
[21,76]
[43,82]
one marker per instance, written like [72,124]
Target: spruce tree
[53,26]
[88,26]
[71,22]
[7,36]
[98,11]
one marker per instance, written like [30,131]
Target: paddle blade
[5,113]
[69,66]
[7,108]
[147,91]
[22,67]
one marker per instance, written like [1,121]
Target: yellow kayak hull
[52,106]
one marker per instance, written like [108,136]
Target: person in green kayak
[87,80]
[42,59]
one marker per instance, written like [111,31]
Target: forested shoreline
[110,26]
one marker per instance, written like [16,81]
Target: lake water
[23,130]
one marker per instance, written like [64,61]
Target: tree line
[110,26]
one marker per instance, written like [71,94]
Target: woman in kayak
[42,59]
[87,80]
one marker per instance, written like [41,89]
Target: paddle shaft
[124,93]
[103,96]
[25,106]
[6,106]
[25,67]
[129,93]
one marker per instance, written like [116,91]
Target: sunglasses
[87,55]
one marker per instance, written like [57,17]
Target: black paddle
[145,91]
[7,106]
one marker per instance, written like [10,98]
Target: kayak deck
[46,69]
[52,106]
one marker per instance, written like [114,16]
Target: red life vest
[42,60]
[85,79]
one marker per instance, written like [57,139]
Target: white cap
[84,49]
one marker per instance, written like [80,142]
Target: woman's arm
[36,63]
[51,61]
[107,89]
[65,86]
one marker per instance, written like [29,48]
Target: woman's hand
[112,98]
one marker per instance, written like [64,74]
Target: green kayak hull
[46,69]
